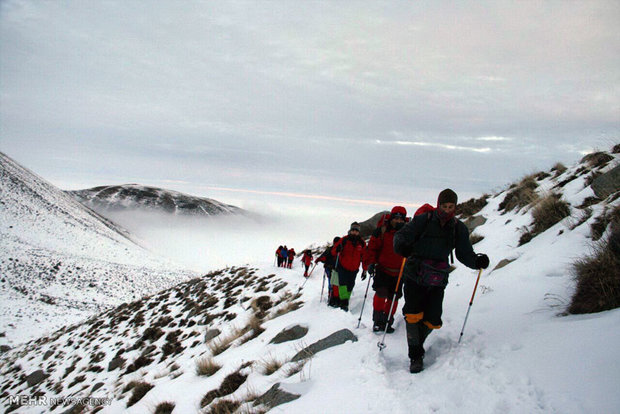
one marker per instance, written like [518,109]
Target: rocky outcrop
[337,338]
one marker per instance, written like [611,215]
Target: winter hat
[447,196]
[355,226]
[398,211]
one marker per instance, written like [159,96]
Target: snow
[519,352]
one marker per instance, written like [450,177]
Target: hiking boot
[416,365]
[378,327]
[389,329]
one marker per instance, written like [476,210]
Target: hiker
[279,255]
[290,256]
[384,266]
[306,260]
[284,254]
[348,251]
[329,262]
[427,242]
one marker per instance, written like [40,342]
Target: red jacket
[291,255]
[351,254]
[381,251]
[307,259]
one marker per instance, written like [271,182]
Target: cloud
[435,145]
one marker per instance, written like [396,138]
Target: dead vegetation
[598,277]
[139,390]
[520,195]
[546,213]
[471,207]
[206,366]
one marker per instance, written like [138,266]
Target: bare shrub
[164,408]
[139,391]
[598,277]
[521,195]
[222,343]
[206,366]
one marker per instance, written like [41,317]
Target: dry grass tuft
[471,207]
[224,407]
[598,277]
[206,366]
[139,390]
[164,408]
[546,213]
[288,307]
[520,195]
[559,169]
[270,364]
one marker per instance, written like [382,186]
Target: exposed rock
[275,396]
[36,377]
[4,348]
[97,386]
[368,226]
[607,184]
[117,362]
[290,334]
[504,263]
[48,354]
[211,333]
[474,222]
[337,338]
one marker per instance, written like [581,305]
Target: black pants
[423,304]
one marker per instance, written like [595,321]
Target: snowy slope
[134,196]
[520,353]
[60,261]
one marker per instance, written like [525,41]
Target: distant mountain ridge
[140,197]
[60,261]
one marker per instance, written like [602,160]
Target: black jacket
[424,238]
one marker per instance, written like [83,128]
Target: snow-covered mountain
[61,261]
[139,197]
[259,338]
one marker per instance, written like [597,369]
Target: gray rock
[337,338]
[212,333]
[97,386]
[291,334]
[473,222]
[48,354]
[503,263]
[4,348]
[275,396]
[36,378]
[607,184]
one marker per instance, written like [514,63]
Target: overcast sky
[369,101]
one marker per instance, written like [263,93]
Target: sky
[338,107]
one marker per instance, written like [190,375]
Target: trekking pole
[312,270]
[470,303]
[364,302]
[382,344]
[323,285]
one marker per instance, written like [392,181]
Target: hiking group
[285,257]
[404,257]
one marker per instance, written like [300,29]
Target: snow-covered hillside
[61,262]
[209,345]
[133,196]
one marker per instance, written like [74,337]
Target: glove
[482,261]
[364,275]
[371,270]
[339,248]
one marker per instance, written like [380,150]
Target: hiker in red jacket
[384,264]
[348,251]
[329,262]
[290,257]
[306,260]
